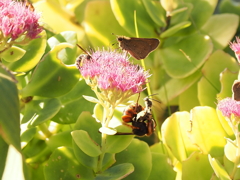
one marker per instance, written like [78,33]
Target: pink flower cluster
[235,46]
[16,19]
[112,70]
[229,106]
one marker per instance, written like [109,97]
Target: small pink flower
[229,106]
[113,71]
[16,20]
[235,46]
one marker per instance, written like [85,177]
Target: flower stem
[108,113]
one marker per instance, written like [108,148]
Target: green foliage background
[46,126]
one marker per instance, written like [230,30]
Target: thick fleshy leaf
[85,143]
[229,6]
[98,112]
[9,109]
[171,31]
[175,135]
[225,124]
[155,11]
[138,154]
[221,28]
[67,55]
[206,128]
[218,169]
[125,17]
[60,139]
[161,169]
[63,165]
[39,111]
[197,166]
[226,79]
[177,86]
[60,20]
[87,123]
[202,10]
[230,150]
[52,78]
[4,151]
[27,136]
[182,55]
[189,99]
[100,23]
[209,86]
[34,52]
[13,54]
[116,172]
[73,104]
[117,143]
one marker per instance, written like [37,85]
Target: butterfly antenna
[83,50]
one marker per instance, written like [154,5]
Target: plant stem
[108,113]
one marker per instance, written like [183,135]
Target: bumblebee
[141,118]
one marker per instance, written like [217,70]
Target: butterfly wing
[139,48]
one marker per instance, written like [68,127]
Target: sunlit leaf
[34,52]
[206,128]
[52,78]
[175,135]
[13,54]
[197,166]
[218,169]
[209,86]
[221,28]
[182,55]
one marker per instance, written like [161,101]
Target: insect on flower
[83,57]
[141,119]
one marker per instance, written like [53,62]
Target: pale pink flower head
[229,106]
[113,73]
[17,19]
[235,46]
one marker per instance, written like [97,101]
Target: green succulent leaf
[125,17]
[9,109]
[218,169]
[34,52]
[13,54]
[85,143]
[155,11]
[221,28]
[210,86]
[205,119]
[177,86]
[195,165]
[139,155]
[66,55]
[116,172]
[166,171]
[98,16]
[62,164]
[39,111]
[182,55]
[175,135]
[52,78]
